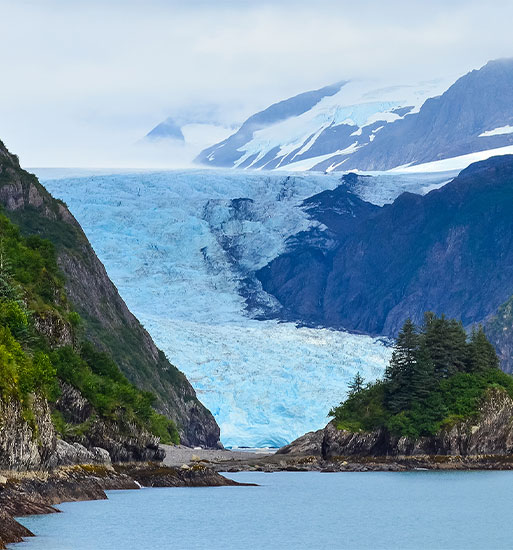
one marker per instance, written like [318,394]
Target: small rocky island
[443,401]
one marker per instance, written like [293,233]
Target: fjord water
[310,510]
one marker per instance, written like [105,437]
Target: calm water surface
[427,510]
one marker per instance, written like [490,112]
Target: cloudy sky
[84,80]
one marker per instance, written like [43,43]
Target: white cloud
[84,80]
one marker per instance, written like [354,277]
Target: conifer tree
[446,341]
[405,352]
[356,384]
[422,379]
[401,368]
[482,354]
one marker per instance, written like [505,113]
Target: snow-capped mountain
[375,126]
[179,138]
[168,129]
[183,248]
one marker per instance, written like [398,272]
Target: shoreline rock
[401,463]
[488,433]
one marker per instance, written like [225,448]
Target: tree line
[437,375]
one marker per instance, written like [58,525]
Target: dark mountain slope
[107,320]
[169,129]
[450,251]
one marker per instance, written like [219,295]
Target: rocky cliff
[29,440]
[26,444]
[107,321]
[488,433]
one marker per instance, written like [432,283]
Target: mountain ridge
[381,128]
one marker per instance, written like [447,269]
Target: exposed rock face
[73,405]
[31,443]
[499,329]
[123,441]
[56,331]
[308,444]
[108,322]
[490,433]
[103,441]
[449,251]
[67,454]
[24,446]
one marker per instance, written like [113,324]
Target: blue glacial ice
[163,239]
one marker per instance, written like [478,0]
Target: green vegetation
[32,295]
[436,377]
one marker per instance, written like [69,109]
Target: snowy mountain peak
[168,129]
[337,119]
[371,125]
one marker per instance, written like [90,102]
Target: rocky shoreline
[37,492]
[312,463]
[282,461]
[306,455]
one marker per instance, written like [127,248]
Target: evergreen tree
[482,354]
[356,384]
[405,352]
[458,347]
[446,341]
[422,379]
[401,368]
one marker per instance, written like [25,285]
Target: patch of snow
[384,187]
[335,165]
[358,103]
[453,163]
[500,131]
[305,164]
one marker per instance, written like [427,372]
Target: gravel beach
[177,455]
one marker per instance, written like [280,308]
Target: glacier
[179,245]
